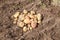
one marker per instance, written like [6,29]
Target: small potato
[33,24]
[28,14]
[31,20]
[14,22]
[27,20]
[39,21]
[25,28]
[39,16]
[32,12]
[16,14]
[30,28]
[20,24]
[31,16]
[29,25]
[35,16]
[26,17]
[15,19]
[35,20]
[21,17]
[25,11]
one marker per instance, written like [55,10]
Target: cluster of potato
[27,20]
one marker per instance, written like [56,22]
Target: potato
[25,11]
[33,24]
[20,24]
[31,20]
[16,14]
[14,22]
[15,19]
[32,12]
[25,28]
[29,25]
[21,17]
[39,21]
[26,17]
[27,20]
[30,28]
[39,16]
[35,20]
[31,16]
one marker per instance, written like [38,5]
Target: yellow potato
[31,20]
[20,24]
[32,12]
[25,11]
[33,24]
[14,22]
[30,28]
[26,20]
[26,17]
[39,21]
[25,28]
[21,17]
[35,20]
[39,16]
[16,14]
[29,25]
[35,16]
[15,19]
[31,16]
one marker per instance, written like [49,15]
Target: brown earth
[48,30]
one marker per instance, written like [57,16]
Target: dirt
[49,29]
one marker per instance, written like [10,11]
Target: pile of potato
[27,20]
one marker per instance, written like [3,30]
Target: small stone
[32,12]
[25,11]
[25,28]
[16,14]
[20,24]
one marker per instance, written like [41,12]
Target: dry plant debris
[27,20]
[56,2]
